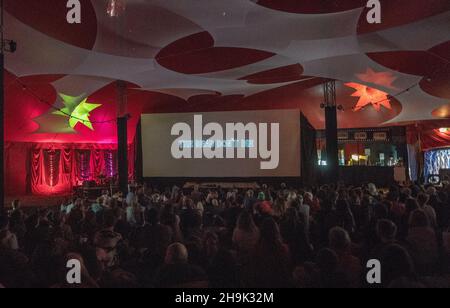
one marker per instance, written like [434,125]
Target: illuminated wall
[436,160]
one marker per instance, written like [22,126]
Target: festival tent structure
[210,55]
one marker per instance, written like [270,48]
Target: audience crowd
[271,237]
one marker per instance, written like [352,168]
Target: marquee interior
[211,55]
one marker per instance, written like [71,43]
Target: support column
[2,133]
[2,108]
[122,137]
[331,131]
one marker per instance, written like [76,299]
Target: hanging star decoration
[385,79]
[369,96]
[77,109]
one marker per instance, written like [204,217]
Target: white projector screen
[222,144]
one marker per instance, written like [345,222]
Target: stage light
[115,8]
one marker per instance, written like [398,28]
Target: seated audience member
[386,233]
[348,264]
[344,216]
[440,204]
[373,191]
[17,220]
[397,269]
[170,219]
[422,242]
[246,234]
[249,200]
[153,237]
[305,211]
[191,222]
[323,273]
[134,213]
[312,202]
[271,263]
[410,206]
[106,242]
[238,241]
[223,271]
[177,272]
[293,231]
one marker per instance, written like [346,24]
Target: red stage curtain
[97,164]
[48,175]
[44,169]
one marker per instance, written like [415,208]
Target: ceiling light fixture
[369,96]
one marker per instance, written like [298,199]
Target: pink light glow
[369,96]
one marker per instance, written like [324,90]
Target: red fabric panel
[97,164]
[429,135]
[435,139]
[45,169]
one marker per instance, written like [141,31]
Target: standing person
[423,200]
[8,240]
[348,264]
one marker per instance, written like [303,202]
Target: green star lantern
[77,109]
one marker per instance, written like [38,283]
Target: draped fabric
[423,138]
[44,169]
[429,136]
[48,177]
[436,139]
[414,161]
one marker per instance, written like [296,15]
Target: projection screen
[222,144]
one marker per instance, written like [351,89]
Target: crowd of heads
[265,237]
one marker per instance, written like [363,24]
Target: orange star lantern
[369,96]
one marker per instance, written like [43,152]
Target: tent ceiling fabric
[204,55]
